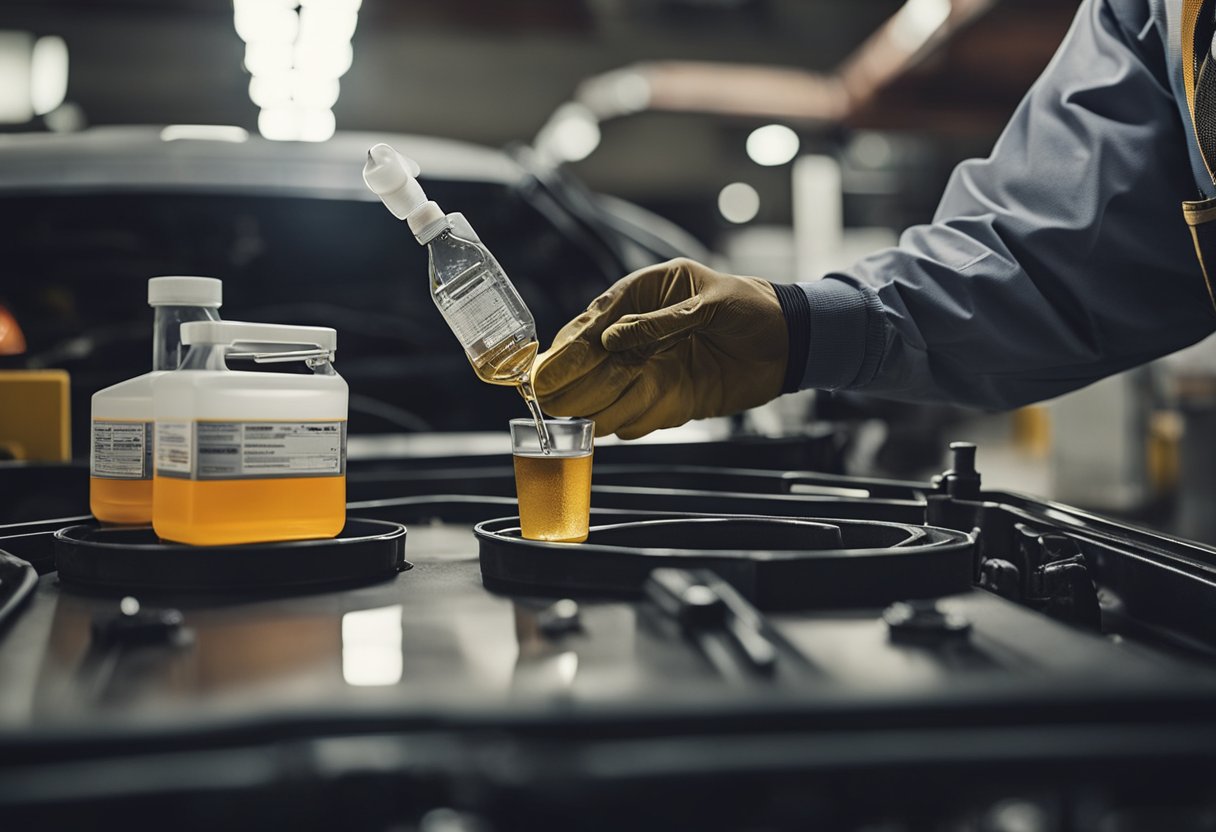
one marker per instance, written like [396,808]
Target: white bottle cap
[391,177]
[185,291]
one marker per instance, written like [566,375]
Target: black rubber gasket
[778,563]
[133,558]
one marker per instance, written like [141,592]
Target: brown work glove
[666,344]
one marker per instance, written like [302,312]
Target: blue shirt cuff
[846,337]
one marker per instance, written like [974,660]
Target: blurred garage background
[584,138]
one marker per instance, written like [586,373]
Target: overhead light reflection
[371,647]
[616,93]
[571,134]
[917,21]
[204,132]
[324,59]
[293,123]
[15,59]
[738,202]
[349,5]
[268,57]
[66,118]
[296,52]
[772,144]
[315,93]
[48,74]
[316,125]
[567,667]
[327,23]
[273,90]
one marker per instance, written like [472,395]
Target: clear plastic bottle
[469,287]
[120,452]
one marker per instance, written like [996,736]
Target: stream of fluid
[508,364]
[542,433]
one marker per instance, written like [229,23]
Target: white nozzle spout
[391,177]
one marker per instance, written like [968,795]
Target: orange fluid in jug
[219,512]
[121,501]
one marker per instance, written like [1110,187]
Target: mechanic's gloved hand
[666,344]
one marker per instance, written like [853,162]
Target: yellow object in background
[35,415]
[1164,451]
[1032,430]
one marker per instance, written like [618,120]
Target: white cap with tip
[178,290]
[391,177]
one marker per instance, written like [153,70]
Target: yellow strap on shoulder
[1190,18]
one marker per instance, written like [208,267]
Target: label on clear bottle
[250,450]
[480,316]
[121,450]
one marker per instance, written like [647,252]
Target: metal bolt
[923,621]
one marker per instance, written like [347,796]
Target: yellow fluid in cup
[554,496]
[121,501]
[217,512]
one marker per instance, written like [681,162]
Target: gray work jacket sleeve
[1058,260]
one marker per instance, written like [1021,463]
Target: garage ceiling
[491,72]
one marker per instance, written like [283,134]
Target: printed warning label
[121,450]
[174,449]
[248,450]
[480,314]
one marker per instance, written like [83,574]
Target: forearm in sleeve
[1058,260]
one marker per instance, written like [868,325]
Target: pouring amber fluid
[509,364]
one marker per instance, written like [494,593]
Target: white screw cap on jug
[179,290]
[391,177]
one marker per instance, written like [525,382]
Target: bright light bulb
[346,5]
[328,59]
[266,57]
[917,21]
[317,125]
[327,23]
[265,21]
[772,144]
[739,202]
[271,90]
[296,59]
[314,92]
[573,132]
[280,124]
[48,74]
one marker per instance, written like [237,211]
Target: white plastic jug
[120,452]
[244,456]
